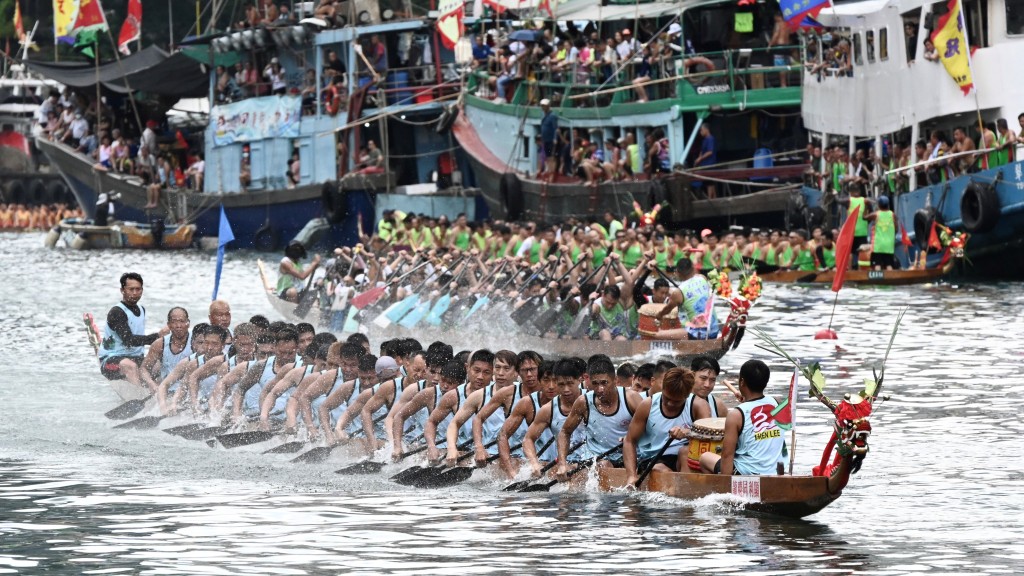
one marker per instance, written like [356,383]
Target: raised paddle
[547,318]
[424,473]
[545,486]
[306,298]
[527,309]
[320,453]
[456,474]
[586,308]
[144,423]
[517,486]
[441,306]
[128,409]
[652,463]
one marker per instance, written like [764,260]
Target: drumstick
[733,390]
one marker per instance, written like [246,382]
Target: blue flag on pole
[794,11]
[224,235]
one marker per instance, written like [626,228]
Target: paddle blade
[128,409]
[240,439]
[186,429]
[364,299]
[396,311]
[523,313]
[408,472]
[286,448]
[547,319]
[306,301]
[434,318]
[205,433]
[417,314]
[145,423]
[449,478]
[477,306]
[516,486]
[364,467]
[542,487]
[420,476]
[318,454]
[351,325]
[577,327]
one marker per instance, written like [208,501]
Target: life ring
[447,119]
[266,238]
[923,219]
[511,193]
[979,208]
[335,201]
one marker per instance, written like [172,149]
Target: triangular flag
[903,236]
[844,246]
[130,29]
[933,237]
[785,413]
[19,26]
[224,235]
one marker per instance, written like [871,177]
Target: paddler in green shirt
[883,237]
[798,255]
[387,224]
[860,231]
[613,224]
[825,252]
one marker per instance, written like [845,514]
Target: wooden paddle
[586,306]
[320,453]
[418,476]
[308,296]
[455,474]
[239,439]
[547,318]
[144,423]
[370,466]
[529,307]
[545,486]
[652,463]
[185,429]
[413,470]
[128,409]
[517,486]
[287,448]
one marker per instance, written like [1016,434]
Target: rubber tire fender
[16,193]
[58,192]
[511,192]
[923,219]
[335,201]
[979,208]
[37,192]
[447,119]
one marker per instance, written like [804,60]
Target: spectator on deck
[87,143]
[372,160]
[293,170]
[378,55]
[276,75]
[195,172]
[482,53]
[548,136]
[708,156]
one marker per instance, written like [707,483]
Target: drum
[706,435]
[650,325]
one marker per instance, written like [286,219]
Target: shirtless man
[481,368]
[485,428]
[656,420]
[124,338]
[549,420]
[605,411]
[523,413]
[167,352]
[753,442]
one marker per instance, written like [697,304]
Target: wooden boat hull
[790,496]
[82,235]
[857,277]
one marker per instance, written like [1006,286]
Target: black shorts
[670,460]
[883,260]
[858,241]
[718,469]
[549,150]
[111,367]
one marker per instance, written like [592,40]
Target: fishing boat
[723,76]
[896,93]
[83,234]
[285,165]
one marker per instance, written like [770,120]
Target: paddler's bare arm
[248,380]
[637,427]
[281,373]
[733,423]
[420,401]
[440,412]
[675,299]
[373,402]
[179,372]
[223,387]
[572,421]
[354,409]
[523,410]
[151,364]
[466,412]
[333,400]
[389,423]
[208,369]
[269,398]
[304,397]
[540,423]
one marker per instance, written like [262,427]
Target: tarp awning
[150,70]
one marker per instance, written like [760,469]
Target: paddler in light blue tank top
[485,432]
[450,377]
[605,412]
[481,368]
[124,335]
[548,422]
[658,419]
[168,386]
[169,351]
[702,403]
[275,402]
[753,441]
[250,388]
[527,366]
[511,437]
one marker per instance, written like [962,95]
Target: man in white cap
[386,368]
[104,209]
[548,135]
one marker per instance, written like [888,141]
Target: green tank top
[830,257]
[574,254]
[462,241]
[838,171]
[517,246]
[1002,156]
[804,261]
[769,257]
[632,256]
[286,281]
[599,255]
[614,318]
[756,254]
[661,259]
[535,252]
[707,263]
[884,240]
[786,258]
[891,177]
[861,229]
[480,240]
[635,163]
[736,259]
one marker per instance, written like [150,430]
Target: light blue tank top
[282,401]
[606,432]
[339,378]
[168,360]
[578,435]
[516,438]
[112,345]
[688,408]
[492,426]
[466,430]
[549,453]
[656,432]
[206,384]
[759,446]
[251,400]
[413,431]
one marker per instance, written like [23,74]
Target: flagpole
[792,412]
[120,67]
[974,85]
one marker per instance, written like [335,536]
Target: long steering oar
[422,475]
[128,409]
[517,486]
[370,466]
[455,474]
[545,486]
[415,470]
[320,453]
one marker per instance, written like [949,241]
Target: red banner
[130,30]
[843,248]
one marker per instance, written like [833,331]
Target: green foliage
[7,21]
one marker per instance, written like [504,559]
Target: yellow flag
[951,43]
[65,13]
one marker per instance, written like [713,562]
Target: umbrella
[524,35]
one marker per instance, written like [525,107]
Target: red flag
[90,16]
[843,248]
[785,413]
[131,27]
[933,238]
[19,26]
[904,238]
[364,299]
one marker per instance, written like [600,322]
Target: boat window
[1015,17]
[883,44]
[858,59]
[870,45]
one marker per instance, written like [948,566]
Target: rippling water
[939,492]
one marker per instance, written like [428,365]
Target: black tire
[923,219]
[16,193]
[979,208]
[335,202]
[447,119]
[58,192]
[512,195]
[37,192]
[265,239]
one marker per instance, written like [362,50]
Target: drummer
[753,442]
[660,417]
[693,299]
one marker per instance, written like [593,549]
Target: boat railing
[410,85]
[689,77]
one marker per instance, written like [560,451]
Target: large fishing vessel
[921,77]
